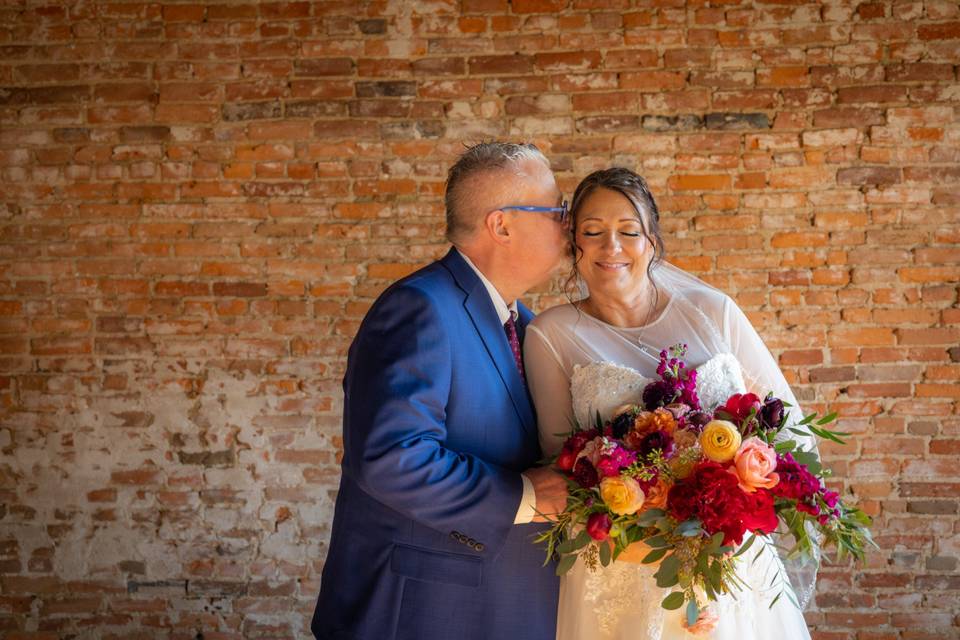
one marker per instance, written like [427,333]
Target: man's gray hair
[481,158]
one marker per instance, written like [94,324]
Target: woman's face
[614,252]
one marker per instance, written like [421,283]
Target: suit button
[478,546]
[455,535]
[471,543]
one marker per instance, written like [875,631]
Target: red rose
[565,460]
[739,405]
[598,526]
[760,515]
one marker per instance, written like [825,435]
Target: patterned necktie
[510,326]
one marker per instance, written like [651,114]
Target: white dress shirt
[528,502]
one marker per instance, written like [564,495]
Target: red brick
[202,200]
[705,182]
[537,6]
[941,31]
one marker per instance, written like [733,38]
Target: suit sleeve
[397,385]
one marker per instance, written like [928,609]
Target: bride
[599,353]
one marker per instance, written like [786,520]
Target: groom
[432,534]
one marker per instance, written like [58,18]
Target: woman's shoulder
[706,298]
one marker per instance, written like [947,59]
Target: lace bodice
[604,386]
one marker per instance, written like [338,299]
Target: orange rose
[643,423]
[664,421]
[755,463]
[657,495]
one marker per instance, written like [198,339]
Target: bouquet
[699,488]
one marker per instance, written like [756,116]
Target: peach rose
[592,451]
[755,463]
[706,622]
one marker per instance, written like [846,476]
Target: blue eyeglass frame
[563,210]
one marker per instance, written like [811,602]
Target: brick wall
[199,202]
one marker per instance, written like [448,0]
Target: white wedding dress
[577,365]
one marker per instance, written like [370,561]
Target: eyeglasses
[563,210]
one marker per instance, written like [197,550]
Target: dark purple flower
[658,440]
[697,420]
[771,415]
[585,474]
[659,394]
[621,425]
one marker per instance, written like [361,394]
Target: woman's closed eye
[591,234]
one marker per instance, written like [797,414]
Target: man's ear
[498,226]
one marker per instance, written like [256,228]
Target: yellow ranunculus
[622,494]
[720,440]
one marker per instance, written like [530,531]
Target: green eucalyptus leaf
[828,419]
[604,553]
[666,575]
[583,539]
[653,556]
[566,563]
[657,542]
[785,446]
[673,601]
[567,546]
[746,545]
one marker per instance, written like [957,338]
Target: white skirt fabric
[622,602]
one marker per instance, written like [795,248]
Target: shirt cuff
[528,503]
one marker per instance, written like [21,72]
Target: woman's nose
[610,241]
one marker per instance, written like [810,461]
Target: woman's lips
[612,266]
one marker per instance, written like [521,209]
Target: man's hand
[551,490]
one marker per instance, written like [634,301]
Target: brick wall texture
[199,201]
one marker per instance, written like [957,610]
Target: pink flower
[592,451]
[755,465]
[610,464]
[796,481]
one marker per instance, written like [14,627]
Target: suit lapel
[479,307]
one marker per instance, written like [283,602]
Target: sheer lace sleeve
[762,375]
[760,370]
[549,386]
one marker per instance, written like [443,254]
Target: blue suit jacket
[437,427]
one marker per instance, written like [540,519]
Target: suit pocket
[436,566]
